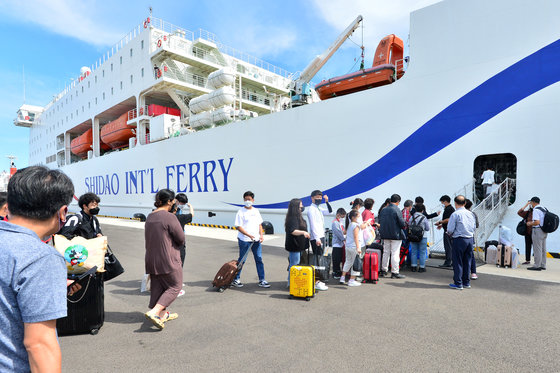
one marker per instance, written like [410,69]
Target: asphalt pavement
[502,324]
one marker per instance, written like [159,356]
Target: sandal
[170,316]
[156,320]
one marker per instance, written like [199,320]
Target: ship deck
[504,323]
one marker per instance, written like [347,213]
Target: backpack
[415,231]
[550,221]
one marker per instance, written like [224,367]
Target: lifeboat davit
[388,64]
[116,133]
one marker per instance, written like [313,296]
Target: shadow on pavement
[133,317]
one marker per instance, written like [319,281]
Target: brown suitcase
[226,274]
[504,256]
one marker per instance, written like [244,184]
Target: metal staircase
[490,212]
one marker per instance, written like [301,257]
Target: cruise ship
[171,108]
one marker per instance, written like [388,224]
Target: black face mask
[94,211]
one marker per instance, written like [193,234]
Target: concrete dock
[505,323]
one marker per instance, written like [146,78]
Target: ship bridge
[27,114]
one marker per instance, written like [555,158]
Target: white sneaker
[321,286]
[181,293]
[354,283]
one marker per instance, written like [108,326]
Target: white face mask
[248,203]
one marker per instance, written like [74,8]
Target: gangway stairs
[490,212]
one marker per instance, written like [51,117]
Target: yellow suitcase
[302,282]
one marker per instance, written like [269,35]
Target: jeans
[293,259]
[257,254]
[462,256]
[417,248]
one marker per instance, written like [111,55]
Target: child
[354,245]
[338,241]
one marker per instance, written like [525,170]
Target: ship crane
[300,89]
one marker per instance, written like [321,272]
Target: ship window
[142,71]
[89,105]
[83,88]
[103,95]
[131,79]
[103,73]
[96,79]
[120,60]
[111,67]
[504,166]
[142,44]
[121,84]
[111,91]
[71,116]
[82,108]
[130,52]
[96,100]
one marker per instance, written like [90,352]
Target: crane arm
[320,60]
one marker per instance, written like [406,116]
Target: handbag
[113,267]
[82,254]
[522,228]
[357,266]
[369,235]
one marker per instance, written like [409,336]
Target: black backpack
[415,231]
[550,221]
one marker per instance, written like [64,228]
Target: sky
[52,39]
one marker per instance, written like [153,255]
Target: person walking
[391,225]
[487,181]
[418,250]
[461,228]
[84,223]
[354,247]
[526,212]
[316,219]
[442,224]
[538,236]
[297,237]
[248,222]
[164,237]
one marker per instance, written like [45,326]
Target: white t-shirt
[350,242]
[250,220]
[488,177]
[538,214]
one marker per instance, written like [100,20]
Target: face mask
[248,203]
[302,208]
[318,201]
[94,211]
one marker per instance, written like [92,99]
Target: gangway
[490,212]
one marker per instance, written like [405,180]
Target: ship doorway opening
[504,165]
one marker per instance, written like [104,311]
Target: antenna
[23,69]
[150,9]
[11,158]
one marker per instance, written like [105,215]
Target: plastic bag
[505,236]
[145,285]
[369,235]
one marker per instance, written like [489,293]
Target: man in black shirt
[447,211]
[84,223]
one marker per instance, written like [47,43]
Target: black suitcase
[322,266]
[86,308]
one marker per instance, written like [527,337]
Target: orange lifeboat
[117,132]
[82,144]
[388,61]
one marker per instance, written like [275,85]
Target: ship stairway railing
[172,71]
[490,213]
[436,235]
[191,36]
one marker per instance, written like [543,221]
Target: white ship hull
[482,80]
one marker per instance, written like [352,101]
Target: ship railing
[183,76]
[490,212]
[255,97]
[436,235]
[179,45]
[205,35]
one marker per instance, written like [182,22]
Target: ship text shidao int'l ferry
[169,108]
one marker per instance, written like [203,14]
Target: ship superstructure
[140,91]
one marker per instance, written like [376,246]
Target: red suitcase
[371,267]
